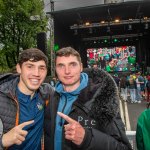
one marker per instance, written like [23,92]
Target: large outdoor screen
[112,59]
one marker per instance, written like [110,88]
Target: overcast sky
[68,4]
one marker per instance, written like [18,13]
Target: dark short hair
[67,51]
[33,55]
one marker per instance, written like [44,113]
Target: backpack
[140,79]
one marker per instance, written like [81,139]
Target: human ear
[81,67]
[18,68]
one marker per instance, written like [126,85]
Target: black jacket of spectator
[97,110]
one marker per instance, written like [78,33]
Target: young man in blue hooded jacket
[90,98]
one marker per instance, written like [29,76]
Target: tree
[20,21]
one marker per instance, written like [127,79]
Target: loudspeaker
[42,42]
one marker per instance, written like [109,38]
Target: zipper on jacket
[17,115]
[61,120]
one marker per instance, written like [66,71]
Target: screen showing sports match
[112,59]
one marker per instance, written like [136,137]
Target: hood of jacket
[9,82]
[101,96]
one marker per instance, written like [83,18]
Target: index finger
[68,119]
[22,125]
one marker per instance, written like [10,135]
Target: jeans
[124,93]
[132,95]
[138,94]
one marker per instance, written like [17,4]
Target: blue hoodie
[65,105]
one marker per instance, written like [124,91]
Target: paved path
[130,113]
[134,110]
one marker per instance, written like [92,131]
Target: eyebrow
[32,64]
[68,63]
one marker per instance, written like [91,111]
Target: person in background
[145,89]
[139,80]
[87,102]
[123,87]
[142,130]
[102,63]
[142,85]
[117,79]
[148,89]
[95,65]
[22,101]
[132,89]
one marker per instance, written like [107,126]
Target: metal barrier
[132,138]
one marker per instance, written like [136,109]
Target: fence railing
[132,138]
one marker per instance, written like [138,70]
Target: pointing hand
[16,135]
[73,130]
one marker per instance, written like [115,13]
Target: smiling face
[68,69]
[32,74]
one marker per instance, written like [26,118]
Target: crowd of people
[80,113]
[134,87]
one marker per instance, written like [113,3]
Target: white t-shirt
[137,82]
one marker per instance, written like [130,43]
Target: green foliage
[17,30]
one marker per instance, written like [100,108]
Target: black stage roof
[134,19]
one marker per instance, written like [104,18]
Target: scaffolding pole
[52,52]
